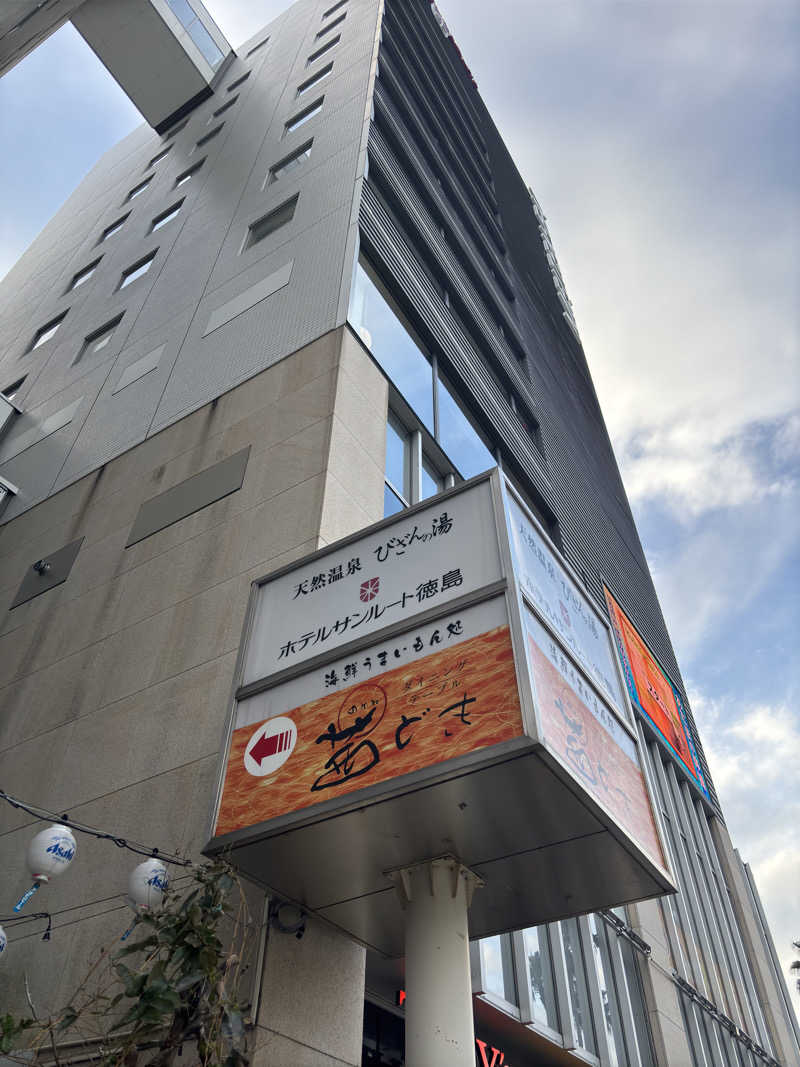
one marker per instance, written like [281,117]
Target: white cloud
[753,755]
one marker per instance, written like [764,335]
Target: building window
[315,79]
[577,989]
[11,391]
[159,156]
[200,36]
[140,188]
[190,173]
[330,11]
[270,223]
[176,129]
[209,136]
[256,47]
[303,116]
[538,970]
[238,82]
[165,216]
[321,51]
[415,375]
[98,339]
[290,162]
[84,275]
[112,229]
[497,968]
[44,333]
[330,26]
[137,270]
[410,475]
[220,110]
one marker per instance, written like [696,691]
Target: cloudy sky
[662,139]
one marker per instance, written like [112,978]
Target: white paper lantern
[51,852]
[148,883]
[3,942]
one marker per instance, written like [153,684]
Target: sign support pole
[435,896]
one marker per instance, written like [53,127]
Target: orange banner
[445,705]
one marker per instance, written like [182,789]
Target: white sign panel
[561,603]
[418,562]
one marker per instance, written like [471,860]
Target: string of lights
[92,831]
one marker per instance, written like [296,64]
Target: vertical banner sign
[563,606]
[652,692]
[590,740]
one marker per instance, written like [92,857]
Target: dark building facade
[334,263]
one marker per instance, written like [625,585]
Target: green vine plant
[175,983]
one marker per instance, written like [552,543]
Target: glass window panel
[165,217]
[638,1008]
[390,343]
[576,987]
[539,970]
[459,438]
[183,11]
[281,215]
[498,967]
[431,481]
[136,271]
[298,120]
[392,1040]
[205,43]
[391,502]
[290,163]
[44,333]
[398,466]
[608,995]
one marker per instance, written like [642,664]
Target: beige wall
[114,686]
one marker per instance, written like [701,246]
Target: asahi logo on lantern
[270,746]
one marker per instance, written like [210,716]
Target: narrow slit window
[221,110]
[336,22]
[176,129]
[159,156]
[140,188]
[137,270]
[98,339]
[190,173]
[289,163]
[165,217]
[330,11]
[209,136]
[256,47]
[11,391]
[44,333]
[302,117]
[315,79]
[112,229]
[238,82]
[84,275]
[325,48]
[268,224]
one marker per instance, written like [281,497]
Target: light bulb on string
[49,854]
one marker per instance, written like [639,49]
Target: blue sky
[663,142]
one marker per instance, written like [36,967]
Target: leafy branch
[174,983]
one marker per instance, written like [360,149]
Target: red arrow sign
[268,746]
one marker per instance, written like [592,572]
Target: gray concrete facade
[178,437]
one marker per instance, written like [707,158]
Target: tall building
[323,295]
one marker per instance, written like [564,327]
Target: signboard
[652,692]
[427,695]
[557,598]
[420,562]
[590,740]
[396,701]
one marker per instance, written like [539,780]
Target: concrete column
[436,896]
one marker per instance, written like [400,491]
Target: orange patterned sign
[595,748]
[447,704]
